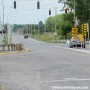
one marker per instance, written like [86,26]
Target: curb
[80,50]
[73,49]
[13,52]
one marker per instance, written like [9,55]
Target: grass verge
[49,37]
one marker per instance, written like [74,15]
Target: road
[45,67]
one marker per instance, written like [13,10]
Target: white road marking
[65,80]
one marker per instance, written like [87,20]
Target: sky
[26,11]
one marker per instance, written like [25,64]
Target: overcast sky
[26,11]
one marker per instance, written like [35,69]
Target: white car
[76,43]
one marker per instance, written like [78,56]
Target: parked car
[25,36]
[76,43]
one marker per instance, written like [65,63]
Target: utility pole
[28,29]
[45,24]
[55,23]
[74,11]
[3,11]
[3,14]
[34,27]
[55,19]
[31,29]
[38,27]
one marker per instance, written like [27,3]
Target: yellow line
[26,50]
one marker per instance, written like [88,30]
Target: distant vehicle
[76,43]
[25,36]
[68,41]
[87,42]
[3,31]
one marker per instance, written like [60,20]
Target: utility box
[18,47]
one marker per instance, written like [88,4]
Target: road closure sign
[81,37]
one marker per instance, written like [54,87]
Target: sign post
[81,39]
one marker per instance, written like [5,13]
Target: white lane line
[65,80]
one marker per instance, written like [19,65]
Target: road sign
[81,37]
[84,29]
[74,31]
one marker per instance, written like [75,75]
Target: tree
[66,23]
[41,26]
[82,9]
[50,24]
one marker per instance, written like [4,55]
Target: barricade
[18,47]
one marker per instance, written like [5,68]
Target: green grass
[47,37]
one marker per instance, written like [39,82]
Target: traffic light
[3,31]
[38,5]
[49,11]
[14,4]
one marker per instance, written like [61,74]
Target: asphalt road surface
[45,67]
